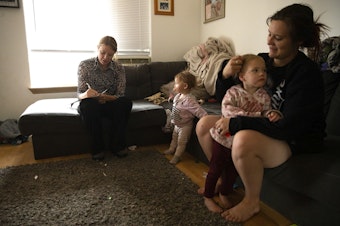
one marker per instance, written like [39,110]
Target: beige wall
[172,36]
[245,21]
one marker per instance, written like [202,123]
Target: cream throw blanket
[205,61]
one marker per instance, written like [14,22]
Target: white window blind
[61,33]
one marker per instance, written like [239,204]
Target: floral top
[112,79]
[184,109]
[238,102]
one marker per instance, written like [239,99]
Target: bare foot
[212,205]
[226,203]
[200,191]
[242,212]
[169,152]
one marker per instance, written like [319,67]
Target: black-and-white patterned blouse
[112,79]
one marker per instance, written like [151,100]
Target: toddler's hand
[274,115]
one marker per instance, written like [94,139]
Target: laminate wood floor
[14,155]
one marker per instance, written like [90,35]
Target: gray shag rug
[141,189]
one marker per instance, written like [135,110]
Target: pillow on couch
[199,91]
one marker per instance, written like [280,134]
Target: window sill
[53,89]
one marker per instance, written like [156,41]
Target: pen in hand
[93,93]
[88,86]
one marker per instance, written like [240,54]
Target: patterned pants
[180,138]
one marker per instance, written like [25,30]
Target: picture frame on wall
[164,7]
[9,3]
[214,10]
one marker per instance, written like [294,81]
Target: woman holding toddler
[296,91]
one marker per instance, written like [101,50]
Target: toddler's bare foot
[200,191]
[226,203]
[242,212]
[175,160]
[212,205]
[168,152]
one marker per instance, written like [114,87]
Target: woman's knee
[88,106]
[204,124]
[243,143]
[250,143]
[200,127]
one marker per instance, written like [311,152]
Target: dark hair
[108,41]
[188,78]
[303,28]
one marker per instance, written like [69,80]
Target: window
[61,33]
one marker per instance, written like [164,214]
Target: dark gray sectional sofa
[305,189]
[57,130]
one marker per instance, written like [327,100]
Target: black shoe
[99,156]
[122,153]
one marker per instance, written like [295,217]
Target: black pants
[116,114]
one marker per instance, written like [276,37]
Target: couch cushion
[57,115]
[305,185]
[45,116]
[331,81]
[146,114]
[332,119]
[164,72]
[138,81]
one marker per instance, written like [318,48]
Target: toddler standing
[185,108]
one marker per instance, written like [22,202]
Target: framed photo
[214,10]
[164,7]
[9,3]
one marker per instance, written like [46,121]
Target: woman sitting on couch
[297,92]
[101,89]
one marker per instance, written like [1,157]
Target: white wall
[172,36]
[245,21]
[14,68]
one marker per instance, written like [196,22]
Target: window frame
[42,65]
